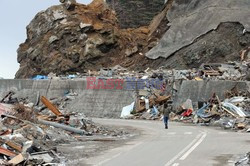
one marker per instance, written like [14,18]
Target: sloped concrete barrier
[109,102]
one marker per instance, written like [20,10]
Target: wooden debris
[7,152]
[12,144]
[50,106]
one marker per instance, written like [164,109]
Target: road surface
[180,145]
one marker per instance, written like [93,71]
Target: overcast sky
[15,15]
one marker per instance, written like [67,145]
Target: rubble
[244,161]
[234,71]
[232,113]
[147,103]
[147,98]
[29,134]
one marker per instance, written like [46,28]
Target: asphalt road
[179,145]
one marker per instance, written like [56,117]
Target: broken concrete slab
[188,22]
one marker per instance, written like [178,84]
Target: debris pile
[244,161]
[148,104]
[233,71]
[29,135]
[232,113]
[150,108]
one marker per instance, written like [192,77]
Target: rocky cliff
[136,13]
[75,38]
[203,31]
[72,39]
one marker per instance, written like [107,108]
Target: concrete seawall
[109,103]
[94,103]
[203,90]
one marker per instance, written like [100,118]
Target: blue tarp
[71,76]
[40,77]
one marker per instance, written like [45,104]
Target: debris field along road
[179,145]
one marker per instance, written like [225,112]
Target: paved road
[179,145]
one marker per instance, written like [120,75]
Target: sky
[15,15]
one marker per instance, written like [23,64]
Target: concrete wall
[102,103]
[203,90]
[49,88]
[109,103]
[95,103]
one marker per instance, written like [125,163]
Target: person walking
[166,112]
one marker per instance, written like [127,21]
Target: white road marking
[194,146]
[176,164]
[104,161]
[171,133]
[111,158]
[183,151]
[188,133]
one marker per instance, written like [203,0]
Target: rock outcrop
[65,39]
[72,37]
[136,13]
[197,24]
[217,46]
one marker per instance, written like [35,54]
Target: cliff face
[203,31]
[73,38]
[64,40]
[136,13]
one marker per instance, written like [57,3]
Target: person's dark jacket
[166,110]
